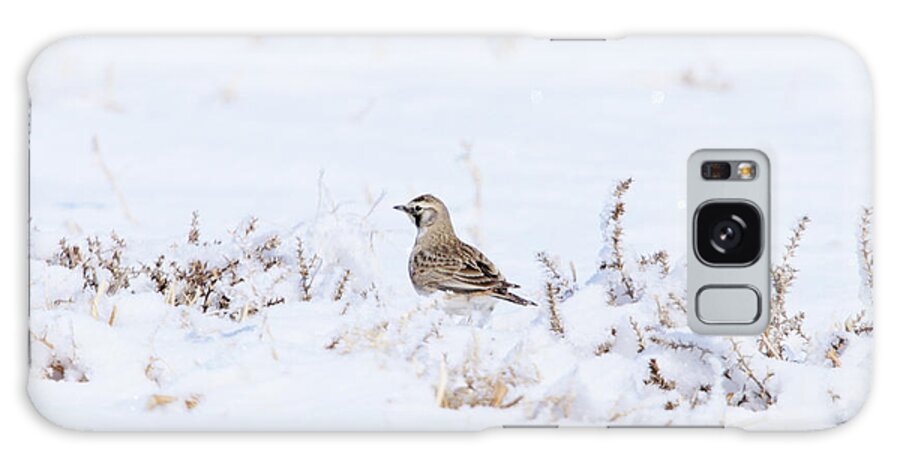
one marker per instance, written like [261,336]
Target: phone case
[423,233]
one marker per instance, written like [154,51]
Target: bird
[441,262]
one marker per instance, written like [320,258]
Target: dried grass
[753,394]
[341,286]
[659,259]
[680,345]
[781,325]
[469,384]
[97,263]
[356,338]
[155,401]
[308,268]
[558,406]
[64,368]
[614,233]
[192,401]
[657,379]
[557,289]
[477,184]
[858,324]
[224,287]
[607,345]
[866,255]
[194,233]
[662,314]
[111,178]
[638,334]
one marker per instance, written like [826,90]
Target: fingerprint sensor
[725,304]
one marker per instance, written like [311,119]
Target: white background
[26,27]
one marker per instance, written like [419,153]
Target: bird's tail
[504,294]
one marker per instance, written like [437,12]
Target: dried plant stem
[662,313]
[784,274]
[866,256]
[194,233]
[112,315]
[678,302]
[832,356]
[477,181]
[341,285]
[639,334]
[245,311]
[95,302]
[113,183]
[557,289]
[614,233]
[744,366]
[679,345]
[606,346]
[308,268]
[656,377]
[555,323]
[660,259]
[858,324]
[156,401]
[439,399]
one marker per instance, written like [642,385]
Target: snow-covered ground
[280,141]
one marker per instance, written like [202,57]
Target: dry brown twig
[614,232]
[639,334]
[866,256]
[477,181]
[470,385]
[676,345]
[607,345]
[93,260]
[835,348]
[557,289]
[858,324]
[64,368]
[743,365]
[555,322]
[656,378]
[660,259]
[111,178]
[68,256]
[662,314]
[308,267]
[784,274]
[341,285]
[678,303]
[194,233]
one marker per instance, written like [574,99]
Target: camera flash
[746,170]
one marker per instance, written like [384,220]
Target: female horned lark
[442,262]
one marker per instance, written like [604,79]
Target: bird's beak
[402,208]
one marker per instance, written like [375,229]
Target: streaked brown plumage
[442,262]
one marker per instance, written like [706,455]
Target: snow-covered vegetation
[213,245]
[185,327]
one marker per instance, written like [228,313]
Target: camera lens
[728,233]
[716,170]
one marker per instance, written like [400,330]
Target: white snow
[318,138]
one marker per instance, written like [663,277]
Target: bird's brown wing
[457,268]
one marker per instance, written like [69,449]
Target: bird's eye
[418,209]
